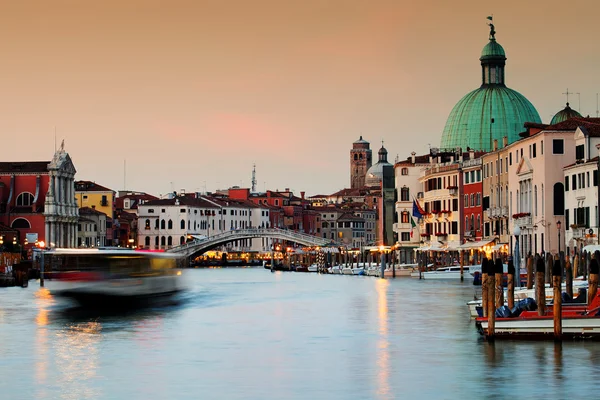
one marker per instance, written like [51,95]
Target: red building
[472,190]
[37,200]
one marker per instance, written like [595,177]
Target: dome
[564,115]
[492,49]
[469,123]
[490,112]
[375,173]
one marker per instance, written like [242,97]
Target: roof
[90,211]
[590,126]
[24,167]
[89,186]
[134,199]
[590,161]
[492,50]
[182,201]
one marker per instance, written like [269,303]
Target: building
[360,162]
[472,192]
[408,191]
[91,228]
[490,112]
[37,200]
[130,200]
[92,195]
[495,205]
[564,114]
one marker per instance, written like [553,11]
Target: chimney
[505,141]
[471,154]
[495,144]
[412,157]
[302,195]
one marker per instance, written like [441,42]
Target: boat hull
[577,328]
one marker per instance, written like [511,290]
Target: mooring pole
[540,286]
[42,269]
[556,282]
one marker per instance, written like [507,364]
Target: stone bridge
[199,246]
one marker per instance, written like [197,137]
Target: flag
[490,17]
[417,211]
[412,226]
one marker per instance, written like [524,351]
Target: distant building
[91,230]
[360,162]
[37,200]
[91,194]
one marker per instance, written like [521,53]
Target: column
[47,233]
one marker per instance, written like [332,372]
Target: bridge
[199,246]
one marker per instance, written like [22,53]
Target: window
[567,183]
[147,224]
[534,152]
[559,199]
[404,171]
[579,152]
[405,217]
[404,194]
[405,236]
[162,224]
[147,241]
[182,210]
[466,200]
[558,146]
[595,177]
[467,177]
[151,211]
[25,199]
[169,241]
[574,182]
[162,241]
[182,224]
[170,225]
[20,223]
[510,158]
[156,242]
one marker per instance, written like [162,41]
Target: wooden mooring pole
[499,270]
[510,284]
[593,279]
[491,309]
[530,271]
[569,277]
[540,286]
[484,289]
[462,265]
[556,284]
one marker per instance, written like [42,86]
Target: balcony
[453,190]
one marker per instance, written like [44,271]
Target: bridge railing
[269,232]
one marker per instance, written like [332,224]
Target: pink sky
[192,93]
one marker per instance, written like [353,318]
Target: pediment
[524,167]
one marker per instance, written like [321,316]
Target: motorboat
[115,277]
[578,322]
[452,272]
[313,268]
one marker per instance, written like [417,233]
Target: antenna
[125,174]
[579,98]
[253,178]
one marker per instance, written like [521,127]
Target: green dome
[469,123]
[492,49]
[564,115]
[491,112]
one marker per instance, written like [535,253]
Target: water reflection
[383,353]
[44,301]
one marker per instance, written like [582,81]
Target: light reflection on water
[250,333]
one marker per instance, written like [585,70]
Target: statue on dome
[492,29]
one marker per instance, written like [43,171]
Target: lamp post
[598,198]
[516,255]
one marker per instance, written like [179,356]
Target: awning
[475,245]
[435,246]
[329,250]
[499,246]
[591,248]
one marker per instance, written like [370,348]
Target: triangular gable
[524,167]
[581,133]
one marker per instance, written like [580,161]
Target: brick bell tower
[360,162]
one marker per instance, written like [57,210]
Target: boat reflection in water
[113,278]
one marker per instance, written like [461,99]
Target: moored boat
[452,272]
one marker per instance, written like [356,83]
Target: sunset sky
[192,93]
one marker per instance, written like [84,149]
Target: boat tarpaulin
[591,248]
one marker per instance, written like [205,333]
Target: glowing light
[41,244]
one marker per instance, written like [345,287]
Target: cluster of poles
[554,266]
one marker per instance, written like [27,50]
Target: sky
[162,96]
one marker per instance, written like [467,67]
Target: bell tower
[360,162]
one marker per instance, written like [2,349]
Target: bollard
[556,282]
[510,290]
[491,312]
[540,286]
[569,277]
[593,280]
[484,282]
[530,271]
[498,269]
[462,265]
[393,263]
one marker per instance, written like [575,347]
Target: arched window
[182,240]
[535,200]
[182,224]
[559,199]
[170,225]
[467,223]
[472,221]
[162,240]
[478,223]
[156,224]
[25,199]
[404,194]
[355,156]
[162,224]
[20,223]
[147,241]
[147,224]
[169,241]
[156,241]
[325,224]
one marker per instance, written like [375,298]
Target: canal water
[247,333]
